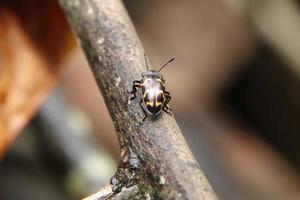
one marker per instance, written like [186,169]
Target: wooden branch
[154,156]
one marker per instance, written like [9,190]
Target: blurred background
[235,87]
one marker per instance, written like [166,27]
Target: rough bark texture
[154,156]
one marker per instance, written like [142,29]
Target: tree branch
[154,156]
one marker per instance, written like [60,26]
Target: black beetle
[154,96]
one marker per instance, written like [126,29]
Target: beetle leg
[136,84]
[168,110]
[144,112]
[166,107]
[168,97]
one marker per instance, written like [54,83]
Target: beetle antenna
[146,61]
[166,64]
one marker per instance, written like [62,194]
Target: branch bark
[154,157]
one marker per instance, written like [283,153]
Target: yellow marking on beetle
[158,103]
[149,103]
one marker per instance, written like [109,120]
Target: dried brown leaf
[29,56]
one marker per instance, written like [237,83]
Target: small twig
[155,158]
[107,193]
[104,193]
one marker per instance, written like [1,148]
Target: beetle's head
[154,72]
[151,74]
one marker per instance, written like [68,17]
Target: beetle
[155,98]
